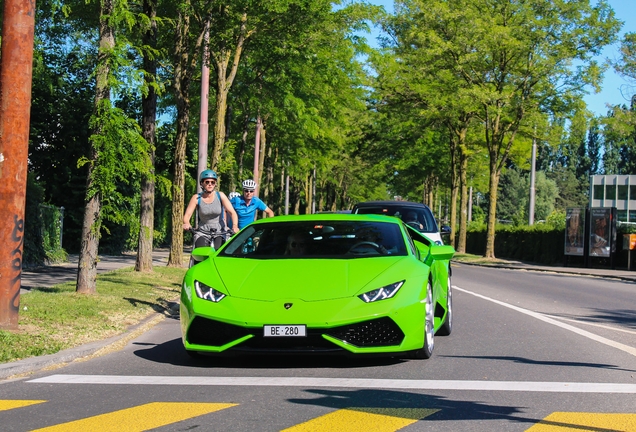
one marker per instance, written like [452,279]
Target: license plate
[284,330]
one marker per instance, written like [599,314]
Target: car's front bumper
[343,326]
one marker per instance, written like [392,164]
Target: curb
[549,270]
[20,368]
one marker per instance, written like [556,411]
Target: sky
[612,82]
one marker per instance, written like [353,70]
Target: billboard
[574,229]
[602,226]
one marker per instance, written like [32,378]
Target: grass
[57,318]
[476,259]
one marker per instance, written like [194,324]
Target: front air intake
[375,333]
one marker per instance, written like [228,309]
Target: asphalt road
[529,351]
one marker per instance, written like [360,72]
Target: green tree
[519,58]
[117,153]
[149,119]
[512,205]
[62,96]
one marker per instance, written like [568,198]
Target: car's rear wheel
[429,326]
[447,326]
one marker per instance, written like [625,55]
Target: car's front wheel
[429,326]
[447,326]
[194,354]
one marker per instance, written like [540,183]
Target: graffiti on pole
[17,236]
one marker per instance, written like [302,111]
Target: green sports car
[321,284]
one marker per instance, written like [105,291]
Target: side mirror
[201,253]
[445,230]
[442,252]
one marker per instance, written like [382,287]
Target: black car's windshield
[419,218]
[317,239]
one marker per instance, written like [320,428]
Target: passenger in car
[297,244]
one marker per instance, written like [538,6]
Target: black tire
[447,326]
[194,355]
[429,326]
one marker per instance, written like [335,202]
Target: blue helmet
[208,174]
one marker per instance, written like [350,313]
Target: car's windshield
[317,239]
[420,218]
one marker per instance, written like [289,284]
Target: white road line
[626,348]
[529,386]
[580,321]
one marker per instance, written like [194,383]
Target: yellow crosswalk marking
[140,418]
[578,421]
[364,420]
[11,404]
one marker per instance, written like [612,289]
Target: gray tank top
[209,213]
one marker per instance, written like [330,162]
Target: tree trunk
[321,200]
[463,206]
[281,199]
[185,63]
[219,125]
[149,113]
[296,201]
[87,264]
[454,188]
[462,169]
[268,190]
[246,125]
[453,210]
[498,151]
[225,78]
[308,187]
[175,258]
[492,208]
[261,156]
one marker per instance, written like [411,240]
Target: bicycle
[212,237]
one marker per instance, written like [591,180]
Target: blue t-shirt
[246,213]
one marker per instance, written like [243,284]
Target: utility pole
[287,194]
[470,204]
[15,108]
[313,192]
[257,143]
[532,177]
[202,163]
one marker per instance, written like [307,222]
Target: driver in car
[411,219]
[369,238]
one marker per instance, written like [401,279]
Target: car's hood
[306,279]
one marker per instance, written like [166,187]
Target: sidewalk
[607,273]
[47,276]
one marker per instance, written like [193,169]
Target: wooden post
[15,107]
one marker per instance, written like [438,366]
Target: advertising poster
[600,232]
[574,229]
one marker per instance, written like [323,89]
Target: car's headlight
[207,292]
[385,292]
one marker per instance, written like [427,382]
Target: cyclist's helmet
[249,184]
[208,174]
[234,195]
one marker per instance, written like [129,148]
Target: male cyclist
[247,204]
